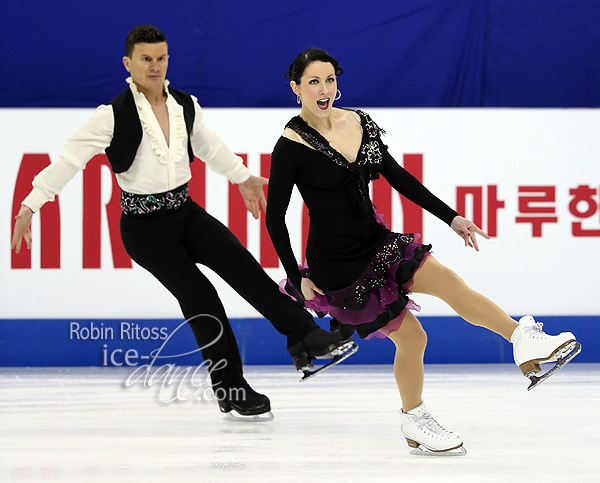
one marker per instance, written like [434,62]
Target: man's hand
[22,229]
[253,194]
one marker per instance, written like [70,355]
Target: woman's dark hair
[147,34]
[304,59]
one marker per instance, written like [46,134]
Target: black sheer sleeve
[281,184]
[409,186]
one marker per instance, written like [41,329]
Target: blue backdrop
[409,53]
[450,340]
[395,53]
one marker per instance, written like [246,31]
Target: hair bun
[290,72]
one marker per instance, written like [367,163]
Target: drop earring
[298,98]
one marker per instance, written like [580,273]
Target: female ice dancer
[360,272]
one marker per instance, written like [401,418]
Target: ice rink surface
[88,424]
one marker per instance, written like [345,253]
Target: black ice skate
[242,403]
[339,354]
[319,344]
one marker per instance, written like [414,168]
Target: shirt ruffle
[177,149]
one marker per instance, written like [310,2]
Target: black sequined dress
[365,269]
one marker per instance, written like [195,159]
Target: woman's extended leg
[433,278]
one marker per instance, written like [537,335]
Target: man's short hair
[143,33]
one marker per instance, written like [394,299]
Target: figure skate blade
[350,349]
[423,451]
[566,355]
[234,416]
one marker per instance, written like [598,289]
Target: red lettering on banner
[305,228]
[197,185]
[268,255]
[31,165]
[92,189]
[494,204]
[540,194]
[536,205]
[238,219]
[476,194]
[382,197]
[583,194]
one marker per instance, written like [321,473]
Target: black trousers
[170,243]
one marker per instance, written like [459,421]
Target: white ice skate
[428,437]
[532,347]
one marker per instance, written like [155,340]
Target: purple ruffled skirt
[377,302]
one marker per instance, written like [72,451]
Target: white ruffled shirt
[157,167]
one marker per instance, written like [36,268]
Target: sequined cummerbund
[134,204]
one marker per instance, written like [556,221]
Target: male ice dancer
[151,132]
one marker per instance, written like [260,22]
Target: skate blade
[353,347]
[566,354]
[422,451]
[234,416]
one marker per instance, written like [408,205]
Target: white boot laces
[428,424]
[535,331]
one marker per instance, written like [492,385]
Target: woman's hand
[466,229]
[22,229]
[309,289]
[253,194]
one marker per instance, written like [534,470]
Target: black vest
[127,134]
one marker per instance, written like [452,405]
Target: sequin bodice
[364,169]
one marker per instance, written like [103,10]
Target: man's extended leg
[215,246]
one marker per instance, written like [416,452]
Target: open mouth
[323,104]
